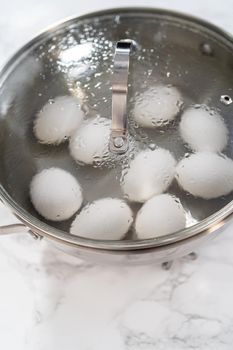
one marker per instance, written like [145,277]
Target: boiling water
[78,60]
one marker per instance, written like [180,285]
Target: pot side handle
[17,228]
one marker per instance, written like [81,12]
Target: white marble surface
[51,301]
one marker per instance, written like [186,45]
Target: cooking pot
[106,59]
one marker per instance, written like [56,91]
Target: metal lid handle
[119,135]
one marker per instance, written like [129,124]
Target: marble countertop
[52,301]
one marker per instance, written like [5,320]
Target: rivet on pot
[118,142]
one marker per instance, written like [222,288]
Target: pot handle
[17,228]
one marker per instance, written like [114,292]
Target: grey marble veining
[49,300]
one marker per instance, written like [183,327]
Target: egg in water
[159,216]
[90,141]
[157,106]
[149,173]
[106,218]
[55,194]
[206,175]
[203,129]
[58,119]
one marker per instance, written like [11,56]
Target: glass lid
[118,125]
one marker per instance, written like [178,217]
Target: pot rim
[204,227]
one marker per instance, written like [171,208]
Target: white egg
[107,218]
[159,216]
[55,194]
[58,120]
[203,130]
[206,175]
[150,173]
[90,141]
[157,106]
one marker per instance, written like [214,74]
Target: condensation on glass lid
[170,177]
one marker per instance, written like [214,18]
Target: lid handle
[118,142]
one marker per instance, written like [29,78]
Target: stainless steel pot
[191,53]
